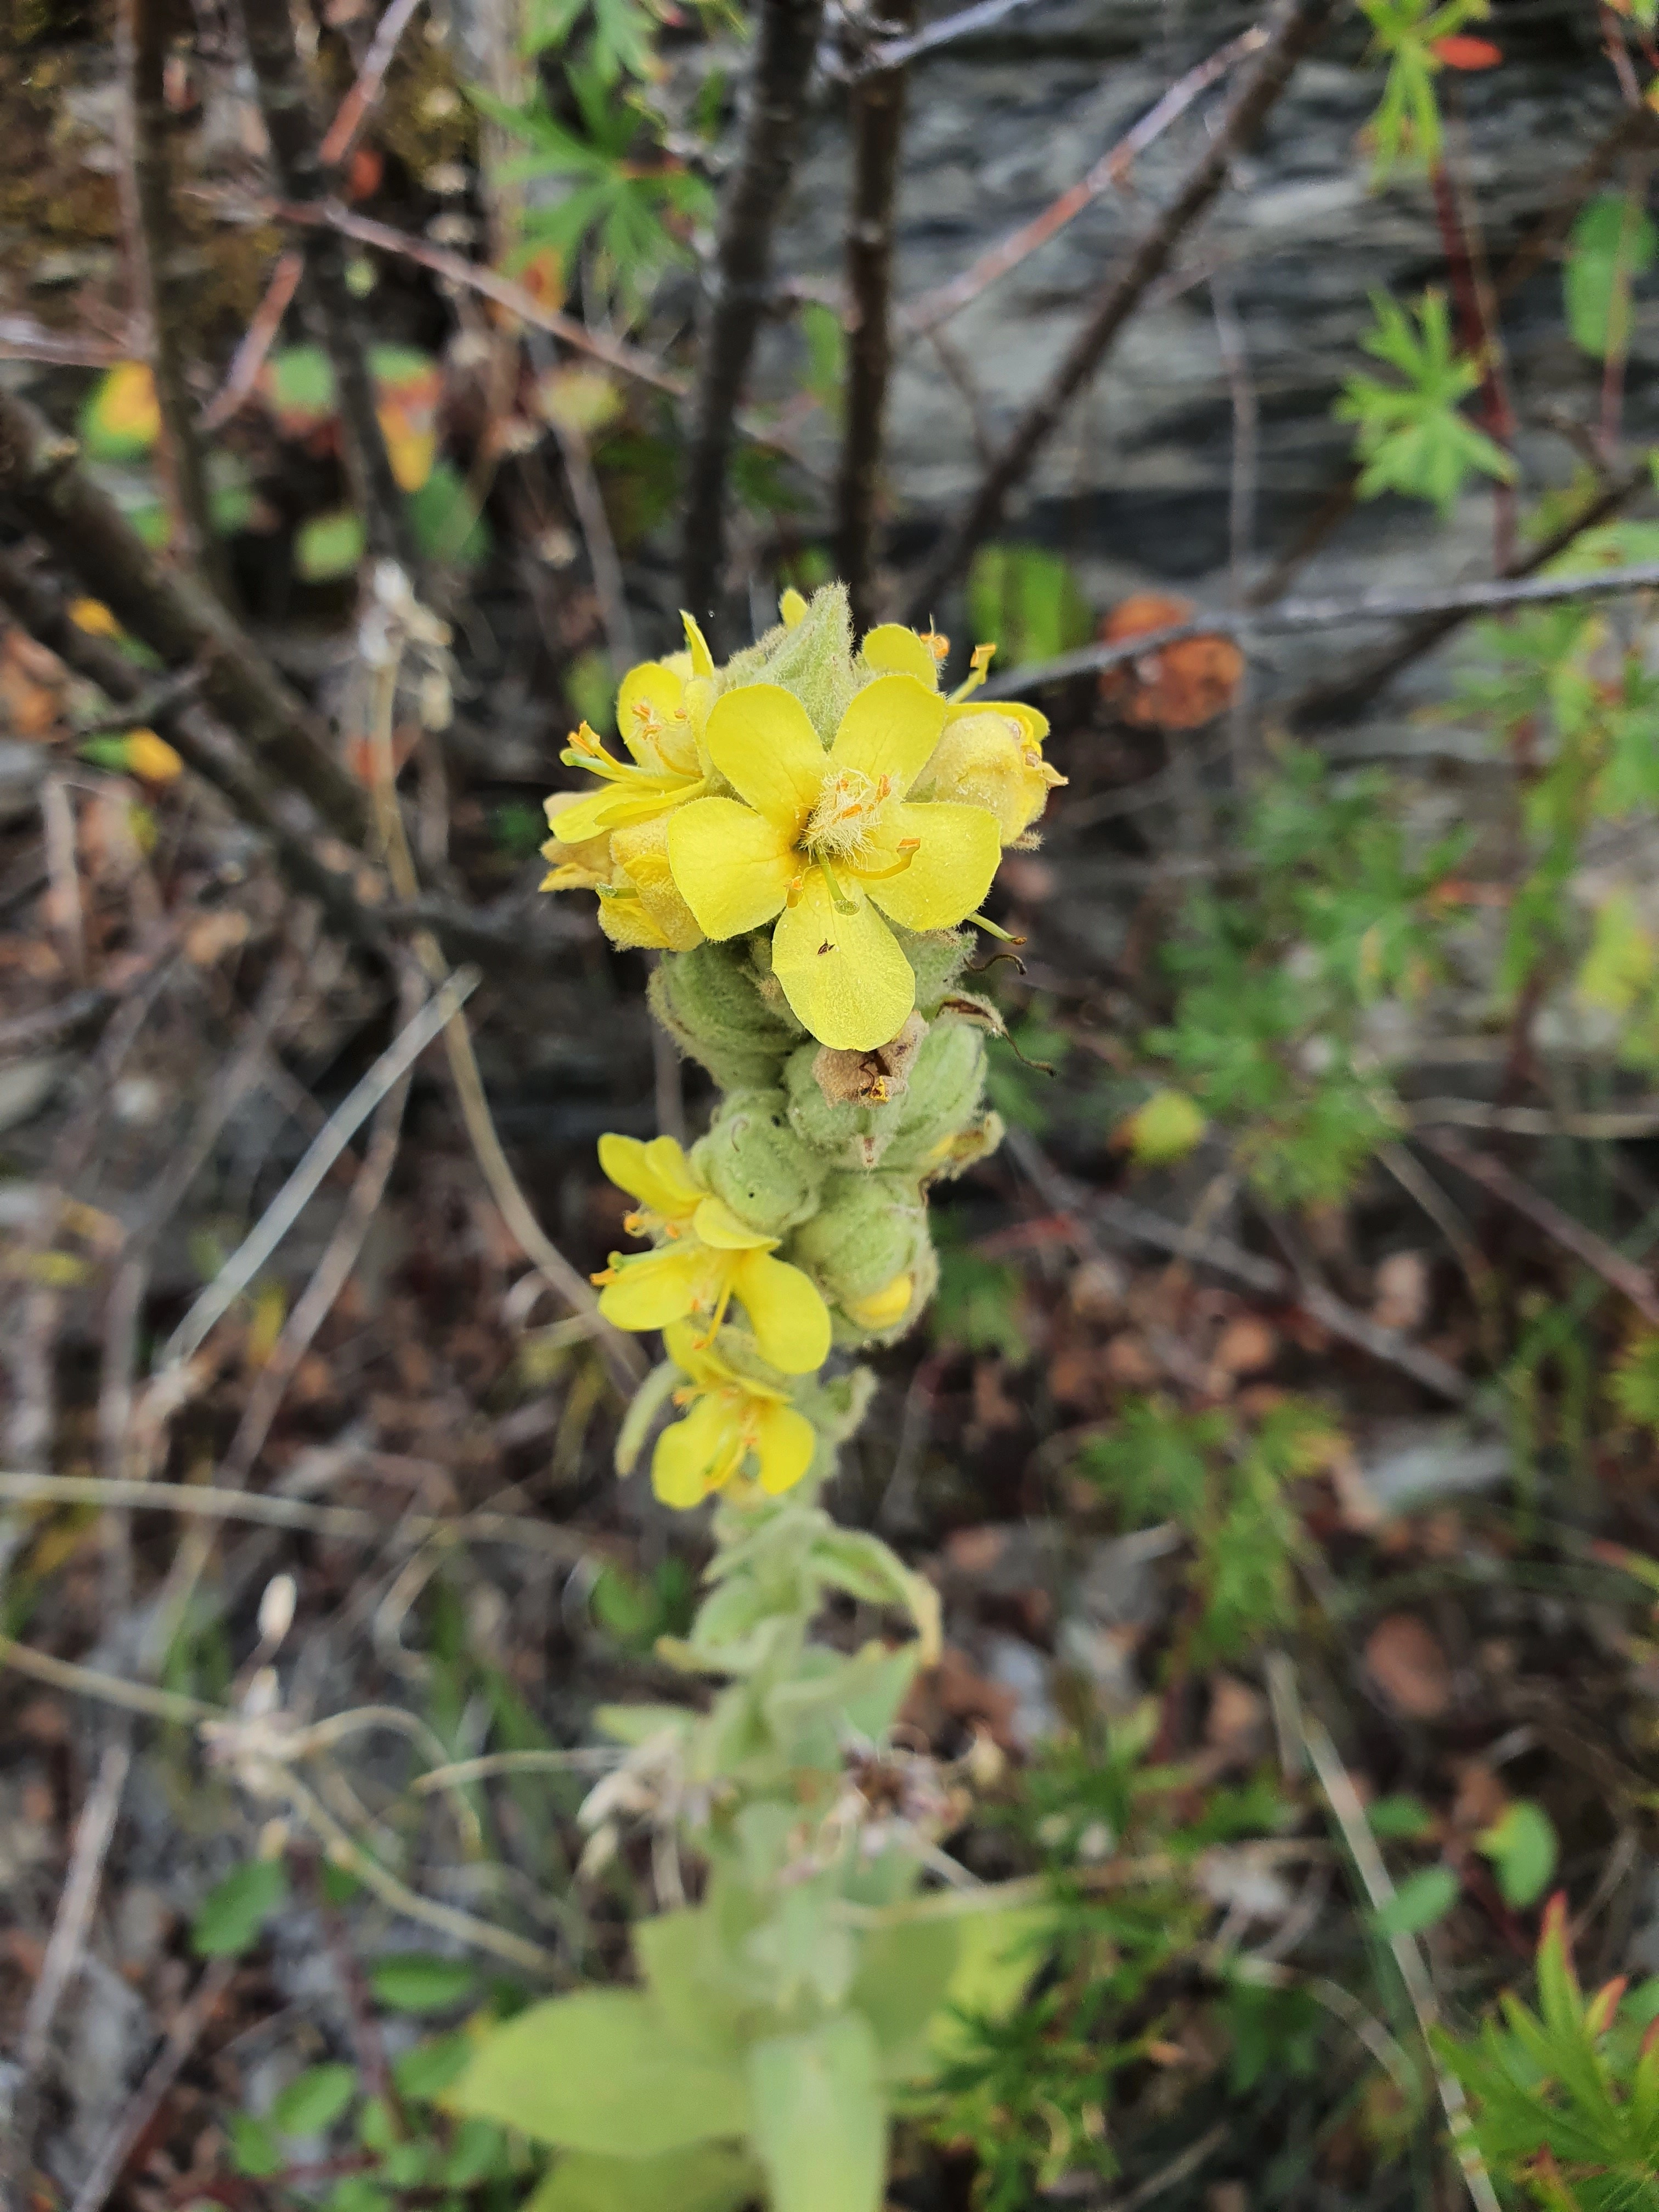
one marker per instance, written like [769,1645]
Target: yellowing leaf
[269,1312]
[579,399]
[151,757]
[1618,968]
[94,618]
[1165,1129]
[121,421]
[411,447]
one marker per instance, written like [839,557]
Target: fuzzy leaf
[598,2072]
[820,2119]
[1422,1899]
[237,1908]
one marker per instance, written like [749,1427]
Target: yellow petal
[654,1289]
[719,1226]
[629,924]
[591,814]
[884,1309]
[760,740]
[656,1173]
[703,661]
[687,1452]
[891,728]
[653,686]
[733,867]
[900,652]
[790,1320]
[784,1445]
[642,852]
[951,870]
[792,608]
[842,974]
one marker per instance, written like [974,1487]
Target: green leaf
[327,547]
[314,2100]
[1421,1899]
[120,420]
[711,2178]
[820,2119]
[446,525]
[599,2072]
[427,2071]
[903,1974]
[253,2148]
[297,385]
[679,1956]
[357,2193]
[1163,1130]
[410,1981]
[479,2150]
[1611,242]
[999,1952]
[1400,1817]
[1523,1849]
[237,1908]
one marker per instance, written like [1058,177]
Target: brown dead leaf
[1403,1657]
[30,686]
[212,936]
[1481,1801]
[1401,1292]
[976,1550]
[1246,1345]
[1097,1289]
[1235,1726]
[1074,1375]
[1181,687]
[1129,1363]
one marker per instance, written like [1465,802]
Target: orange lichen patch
[1178,687]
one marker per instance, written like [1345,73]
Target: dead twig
[285,103]
[1620,1273]
[1446,608]
[177,617]
[1124,1219]
[285,1209]
[21,338]
[1299,24]
[143,34]
[1350,1817]
[877,107]
[192,2019]
[889,54]
[64,1948]
[926,315]
[737,282]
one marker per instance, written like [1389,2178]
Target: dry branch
[144,33]
[738,283]
[1300,23]
[285,103]
[878,123]
[177,617]
[1445,609]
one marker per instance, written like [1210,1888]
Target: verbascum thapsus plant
[800,835]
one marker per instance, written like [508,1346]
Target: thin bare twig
[64,1949]
[891,54]
[1350,1816]
[111,2157]
[325,1148]
[285,103]
[143,33]
[926,315]
[21,338]
[877,107]
[1620,1273]
[1299,24]
[330,1277]
[786,40]
[1446,607]
[347,1524]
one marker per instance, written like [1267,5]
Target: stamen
[838,898]
[992,930]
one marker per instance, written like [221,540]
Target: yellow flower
[820,841]
[707,1256]
[992,757]
[987,756]
[731,1423]
[884,1309]
[629,868]
[659,709]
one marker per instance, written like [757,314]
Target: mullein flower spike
[798,834]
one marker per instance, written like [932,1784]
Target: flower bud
[753,1159]
[869,1231]
[710,1002]
[813,657]
[993,758]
